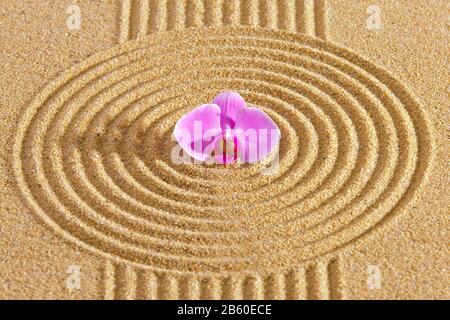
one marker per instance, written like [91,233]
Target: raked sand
[93,207]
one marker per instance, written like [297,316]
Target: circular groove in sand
[131,153]
[82,159]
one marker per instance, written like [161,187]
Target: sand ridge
[107,181]
[321,280]
[140,18]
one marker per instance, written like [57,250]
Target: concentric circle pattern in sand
[93,151]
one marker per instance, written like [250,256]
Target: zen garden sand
[92,207]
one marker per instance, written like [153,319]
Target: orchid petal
[196,131]
[230,104]
[257,134]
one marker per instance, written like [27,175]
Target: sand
[94,208]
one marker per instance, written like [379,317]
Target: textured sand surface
[87,179]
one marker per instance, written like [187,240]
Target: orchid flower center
[225,149]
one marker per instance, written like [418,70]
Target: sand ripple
[92,152]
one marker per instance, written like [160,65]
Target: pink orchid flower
[227,130]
